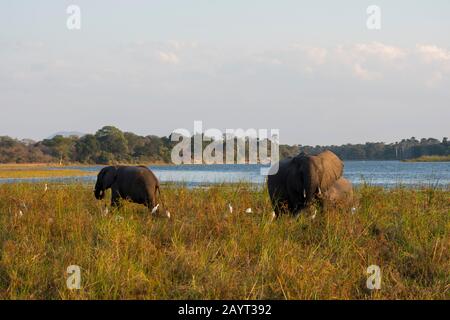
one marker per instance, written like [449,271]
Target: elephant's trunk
[99,194]
[99,191]
[310,186]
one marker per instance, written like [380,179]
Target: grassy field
[38,173]
[205,252]
[38,170]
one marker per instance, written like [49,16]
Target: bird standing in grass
[273,216]
[155,208]
[314,215]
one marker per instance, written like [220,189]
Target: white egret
[274,216]
[155,208]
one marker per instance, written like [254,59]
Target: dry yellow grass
[205,252]
[41,173]
[24,165]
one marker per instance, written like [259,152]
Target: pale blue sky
[309,68]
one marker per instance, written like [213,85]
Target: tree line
[111,145]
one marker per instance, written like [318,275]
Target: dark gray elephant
[137,184]
[302,179]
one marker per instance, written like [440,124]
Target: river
[379,173]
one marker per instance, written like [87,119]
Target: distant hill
[67,134]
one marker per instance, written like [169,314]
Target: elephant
[302,179]
[340,193]
[136,183]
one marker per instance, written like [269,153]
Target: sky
[311,69]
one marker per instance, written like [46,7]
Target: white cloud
[438,61]
[432,53]
[316,54]
[367,61]
[380,50]
[362,73]
[168,57]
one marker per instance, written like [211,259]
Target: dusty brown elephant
[302,179]
[339,194]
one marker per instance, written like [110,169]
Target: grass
[430,159]
[43,170]
[4,166]
[38,170]
[41,173]
[206,252]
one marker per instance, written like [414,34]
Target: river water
[379,173]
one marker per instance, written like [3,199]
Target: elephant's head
[316,174]
[105,179]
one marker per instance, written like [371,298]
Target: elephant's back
[138,173]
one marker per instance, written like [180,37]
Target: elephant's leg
[296,203]
[277,209]
[279,204]
[297,209]
[115,199]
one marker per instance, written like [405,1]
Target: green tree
[60,147]
[87,149]
[112,141]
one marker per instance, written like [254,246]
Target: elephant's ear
[332,167]
[109,176]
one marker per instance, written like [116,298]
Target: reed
[206,252]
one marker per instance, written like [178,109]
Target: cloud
[431,53]
[379,50]
[168,57]
[316,55]
[141,63]
[438,61]
[366,61]
[362,73]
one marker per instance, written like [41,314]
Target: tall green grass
[205,252]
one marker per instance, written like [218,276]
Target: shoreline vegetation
[39,173]
[38,170]
[110,145]
[429,159]
[204,251]
[55,170]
